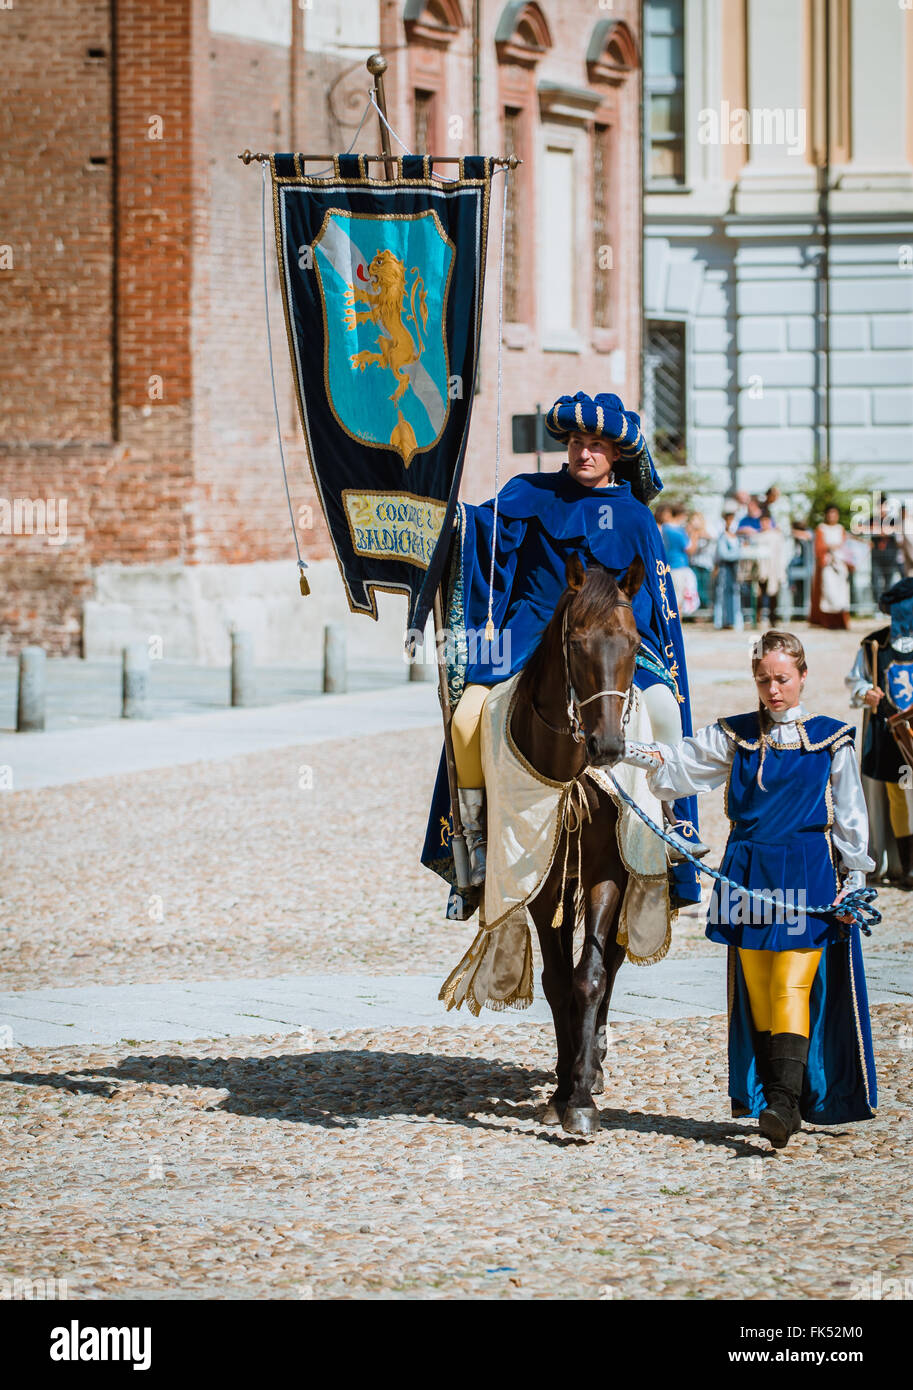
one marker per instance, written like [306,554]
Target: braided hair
[773,641]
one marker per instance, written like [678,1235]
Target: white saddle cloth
[526,816]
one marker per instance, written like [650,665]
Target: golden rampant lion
[386,303]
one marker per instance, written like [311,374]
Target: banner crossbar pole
[510,161]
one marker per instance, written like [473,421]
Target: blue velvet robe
[780,838]
[543,519]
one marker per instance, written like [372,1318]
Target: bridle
[574,704]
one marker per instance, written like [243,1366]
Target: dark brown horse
[586,661]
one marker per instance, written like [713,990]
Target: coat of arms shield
[384,287]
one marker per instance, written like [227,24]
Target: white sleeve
[850,831]
[697,764]
[857,682]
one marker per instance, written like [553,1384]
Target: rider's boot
[472,814]
[788,1059]
[687,840]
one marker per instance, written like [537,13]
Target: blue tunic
[780,838]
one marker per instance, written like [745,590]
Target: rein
[857,904]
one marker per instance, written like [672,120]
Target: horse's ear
[634,578]
[575,573]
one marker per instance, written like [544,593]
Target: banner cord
[445,178]
[489,625]
[302,564]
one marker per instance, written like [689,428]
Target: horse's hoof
[553,1114]
[582,1121]
[598,1086]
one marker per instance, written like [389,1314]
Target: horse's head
[600,643]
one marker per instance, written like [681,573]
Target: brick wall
[55,214]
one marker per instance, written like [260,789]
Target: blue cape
[543,519]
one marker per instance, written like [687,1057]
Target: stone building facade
[778,280]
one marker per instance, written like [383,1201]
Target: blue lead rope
[857,904]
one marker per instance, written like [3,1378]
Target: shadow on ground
[336,1090]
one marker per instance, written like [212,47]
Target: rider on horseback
[594,506]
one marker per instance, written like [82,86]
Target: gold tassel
[305,586]
[489,631]
[558,915]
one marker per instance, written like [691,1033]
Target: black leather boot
[905,854]
[788,1058]
[762,1060]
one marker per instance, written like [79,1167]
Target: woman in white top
[830,602]
[799,1037]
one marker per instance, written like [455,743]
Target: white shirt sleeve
[697,764]
[857,682]
[850,831]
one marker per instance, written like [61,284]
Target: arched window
[612,52]
[522,36]
[431,26]
[611,57]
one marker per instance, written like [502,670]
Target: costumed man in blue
[800,1044]
[507,575]
[881,681]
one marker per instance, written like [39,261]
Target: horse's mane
[590,604]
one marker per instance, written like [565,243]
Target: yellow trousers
[779,984]
[466,728]
[899,810]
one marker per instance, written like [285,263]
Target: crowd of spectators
[762,564]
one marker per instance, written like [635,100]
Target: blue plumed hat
[605,415]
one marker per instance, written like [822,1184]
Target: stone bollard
[32,690]
[242,668]
[423,666]
[136,682]
[335,674]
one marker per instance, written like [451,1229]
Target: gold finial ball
[377,65]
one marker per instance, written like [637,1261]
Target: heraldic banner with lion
[382,283]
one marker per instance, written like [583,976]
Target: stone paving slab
[182,1011]
[61,756]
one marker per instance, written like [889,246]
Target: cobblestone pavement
[412,1164]
[401,1161]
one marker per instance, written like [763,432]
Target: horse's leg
[557,964]
[614,959]
[590,981]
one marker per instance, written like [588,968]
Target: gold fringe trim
[519,998]
[657,956]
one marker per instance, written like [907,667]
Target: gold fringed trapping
[527,814]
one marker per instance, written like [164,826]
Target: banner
[382,284]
